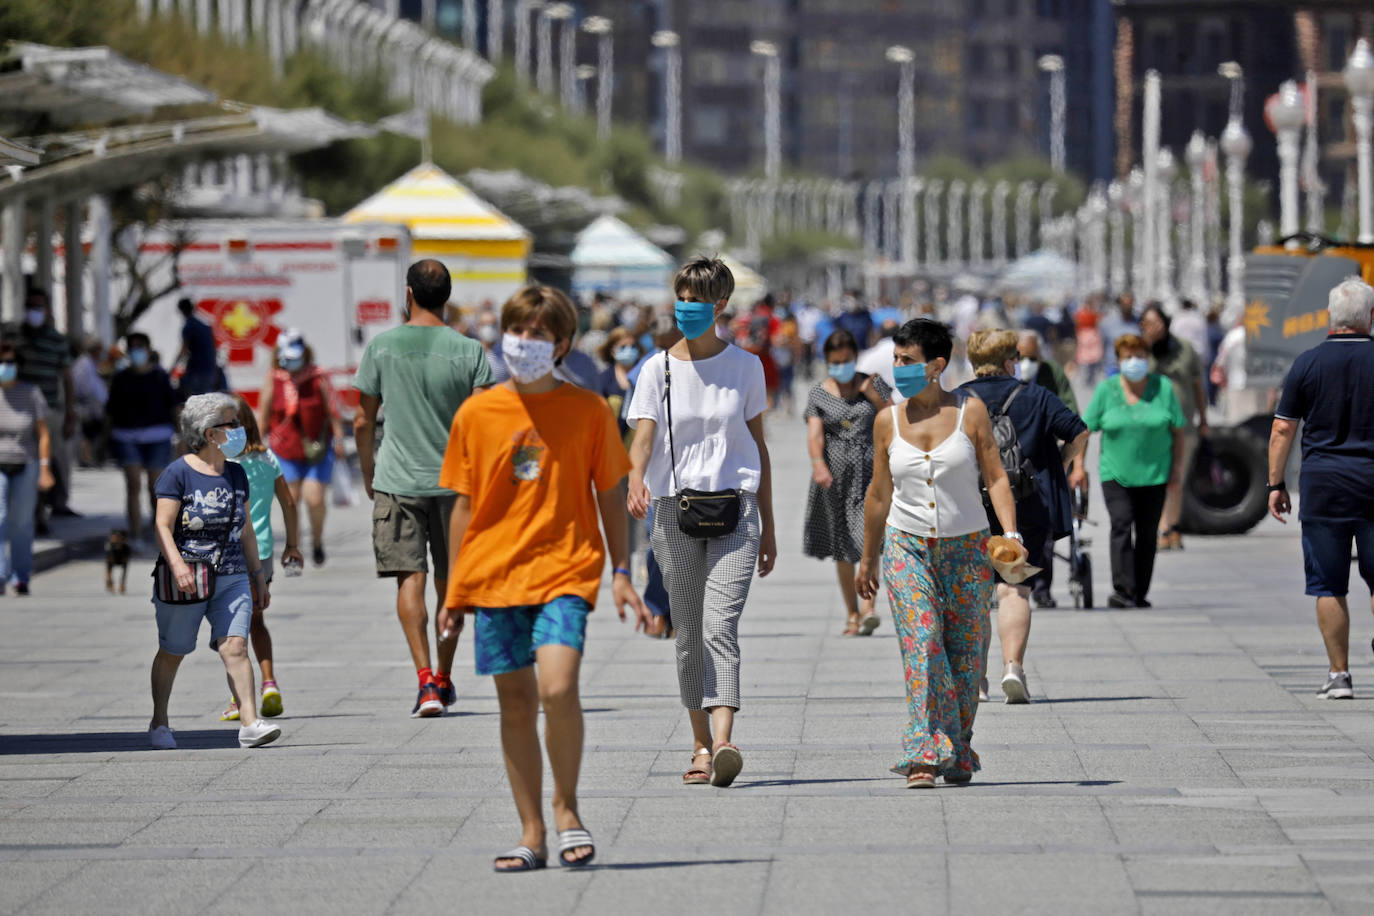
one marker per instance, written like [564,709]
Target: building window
[1011,58]
[977,58]
[977,114]
[1337,46]
[710,125]
[1334,129]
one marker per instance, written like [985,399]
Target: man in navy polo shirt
[1331,390]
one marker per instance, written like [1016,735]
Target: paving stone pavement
[1175,760]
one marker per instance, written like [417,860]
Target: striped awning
[440,210]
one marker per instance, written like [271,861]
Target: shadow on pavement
[1087,783]
[104,742]
[1039,700]
[765,783]
[639,866]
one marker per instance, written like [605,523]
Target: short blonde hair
[543,304]
[989,350]
[705,279]
[1130,343]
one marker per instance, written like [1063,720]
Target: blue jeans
[18,500]
[655,594]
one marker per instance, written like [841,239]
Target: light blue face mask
[694,318]
[911,379]
[1135,368]
[235,440]
[843,372]
[627,355]
[138,357]
[9,372]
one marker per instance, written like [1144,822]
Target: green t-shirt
[262,470]
[1137,442]
[422,375]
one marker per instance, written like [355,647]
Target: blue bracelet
[621,571]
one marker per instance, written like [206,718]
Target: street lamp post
[1053,64]
[1135,206]
[1025,193]
[1236,144]
[999,221]
[1164,279]
[906,110]
[523,9]
[585,72]
[772,107]
[1359,81]
[543,39]
[672,94]
[1288,117]
[496,29]
[1149,157]
[977,247]
[600,26]
[561,13]
[1311,162]
[954,225]
[1196,155]
[932,190]
[1116,220]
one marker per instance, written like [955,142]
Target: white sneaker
[1014,685]
[258,734]
[162,739]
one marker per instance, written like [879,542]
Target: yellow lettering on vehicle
[1305,323]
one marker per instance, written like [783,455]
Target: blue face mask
[138,357]
[627,355]
[842,372]
[1135,368]
[911,379]
[9,372]
[234,442]
[294,364]
[694,318]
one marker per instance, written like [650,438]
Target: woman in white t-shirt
[716,394]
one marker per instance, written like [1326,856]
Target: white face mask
[527,360]
[1028,368]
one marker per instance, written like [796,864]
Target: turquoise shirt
[1137,439]
[262,470]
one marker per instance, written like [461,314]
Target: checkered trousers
[708,583]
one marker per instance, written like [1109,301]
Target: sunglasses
[232,424]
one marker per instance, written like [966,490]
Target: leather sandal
[700,773]
[726,763]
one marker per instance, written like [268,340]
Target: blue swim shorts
[506,637]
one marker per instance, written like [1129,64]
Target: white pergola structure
[76,171]
[356,36]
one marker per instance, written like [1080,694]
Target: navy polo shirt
[1331,390]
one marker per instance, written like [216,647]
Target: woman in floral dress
[924,512]
[839,419]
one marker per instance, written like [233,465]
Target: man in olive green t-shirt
[422,372]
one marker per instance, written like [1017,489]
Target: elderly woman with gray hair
[209,567]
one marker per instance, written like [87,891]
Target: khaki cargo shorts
[404,526]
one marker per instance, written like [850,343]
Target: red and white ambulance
[339,285]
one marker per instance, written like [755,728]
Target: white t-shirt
[877,360]
[712,401]
[1231,356]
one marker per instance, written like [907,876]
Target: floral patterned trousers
[940,590]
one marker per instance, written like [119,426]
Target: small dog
[117,553]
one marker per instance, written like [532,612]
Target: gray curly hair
[201,412]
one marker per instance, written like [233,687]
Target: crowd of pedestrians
[509,453]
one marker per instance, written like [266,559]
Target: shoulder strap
[963,404]
[668,397]
[1011,397]
[233,510]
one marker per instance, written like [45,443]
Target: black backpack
[1020,471]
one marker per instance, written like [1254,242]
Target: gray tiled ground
[1175,761]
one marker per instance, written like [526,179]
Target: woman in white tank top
[924,512]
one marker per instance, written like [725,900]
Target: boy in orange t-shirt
[527,555]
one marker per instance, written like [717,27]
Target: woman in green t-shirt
[1141,423]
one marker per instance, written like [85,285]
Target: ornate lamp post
[999,221]
[1288,117]
[954,223]
[585,72]
[933,188]
[1196,156]
[1236,144]
[1149,157]
[600,26]
[543,39]
[1135,205]
[1053,64]
[672,94]
[1116,219]
[772,107]
[1359,81]
[976,243]
[561,13]
[905,59]
[1025,193]
[523,8]
[496,29]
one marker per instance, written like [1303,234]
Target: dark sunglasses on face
[232,424]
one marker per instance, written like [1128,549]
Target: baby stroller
[1080,564]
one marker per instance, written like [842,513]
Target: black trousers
[1134,514]
[1041,582]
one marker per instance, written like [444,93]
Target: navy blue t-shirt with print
[206,503]
[1328,389]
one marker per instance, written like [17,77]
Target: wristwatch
[1282,485]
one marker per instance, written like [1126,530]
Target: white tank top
[936,493]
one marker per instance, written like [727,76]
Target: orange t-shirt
[528,464]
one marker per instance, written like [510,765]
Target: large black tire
[1225,491]
[1085,571]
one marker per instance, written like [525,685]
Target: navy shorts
[1326,553]
[153,456]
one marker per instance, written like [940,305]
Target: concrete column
[290,29]
[42,244]
[12,240]
[72,219]
[100,267]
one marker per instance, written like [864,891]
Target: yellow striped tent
[485,250]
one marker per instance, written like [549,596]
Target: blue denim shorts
[322,471]
[1326,553]
[229,610]
[506,638]
[153,456]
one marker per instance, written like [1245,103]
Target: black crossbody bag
[701,514]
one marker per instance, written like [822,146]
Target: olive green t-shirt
[1137,439]
[422,376]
